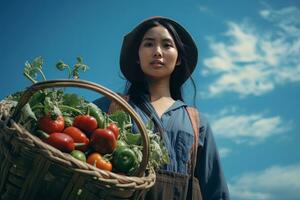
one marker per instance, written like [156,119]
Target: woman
[157,57]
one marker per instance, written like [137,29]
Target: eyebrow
[152,39]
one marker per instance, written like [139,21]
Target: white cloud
[249,80]
[243,46]
[253,61]
[286,18]
[274,183]
[220,63]
[250,129]
[224,152]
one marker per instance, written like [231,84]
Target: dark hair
[139,88]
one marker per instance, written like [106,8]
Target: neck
[159,89]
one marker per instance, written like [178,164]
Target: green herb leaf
[79,66]
[131,138]
[37,63]
[60,65]
[32,69]
[27,113]
[72,100]
[79,59]
[121,118]
[37,98]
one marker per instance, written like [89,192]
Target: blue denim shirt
[179,139]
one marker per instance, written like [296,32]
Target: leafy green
[74,72]
[158,153]
[32,69]
[49,101]
[79,66]
[27,112]
[56,102]
[131,138]
[72,100]
[60,65]
[37,98]
[121,117]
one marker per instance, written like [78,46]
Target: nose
[157,51]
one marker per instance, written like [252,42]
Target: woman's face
[158,53]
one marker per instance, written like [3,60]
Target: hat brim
[128,62]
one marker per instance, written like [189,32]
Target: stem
[29,77]
[43,75]
[37,106]
[70,72]
[106,121]
[81,144]
[88,110]
[42,134]
[127,126]
[110,120]
[64,107]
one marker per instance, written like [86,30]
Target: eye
[147,44]
[168,45]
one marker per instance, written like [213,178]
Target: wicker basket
[32,169]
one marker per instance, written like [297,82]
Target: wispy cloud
[205,9]
[252,61]
[251,128]
[274,183]
[286,19]
[224,152]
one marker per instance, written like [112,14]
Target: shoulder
[106,105]
[103,103]
[202,118]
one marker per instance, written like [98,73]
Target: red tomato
[114,128]
[49,125]
[86,123]
[103,141]
[97,160]
[61,141]
[78,136]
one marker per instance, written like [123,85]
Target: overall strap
[195,120]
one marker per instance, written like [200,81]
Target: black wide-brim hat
[128,58]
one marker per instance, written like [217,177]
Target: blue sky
[248,75]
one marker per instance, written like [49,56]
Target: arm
[208,167]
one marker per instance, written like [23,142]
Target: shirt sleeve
[208,167]
[103,103]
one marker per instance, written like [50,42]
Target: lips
[157,63]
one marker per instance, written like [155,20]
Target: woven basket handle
[100,89]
